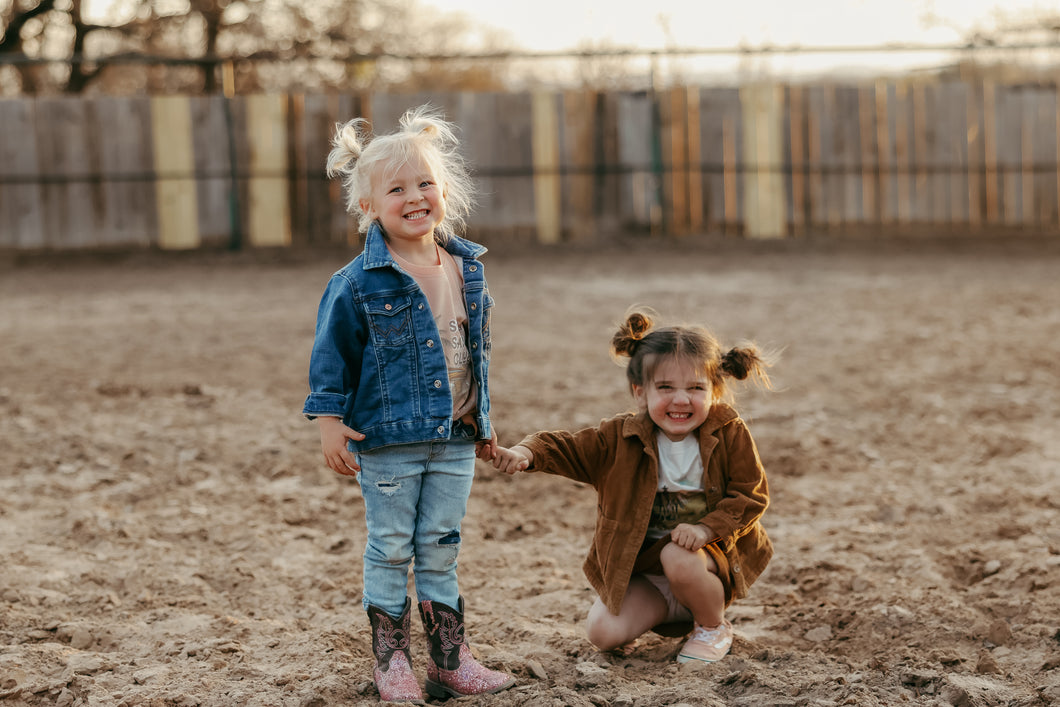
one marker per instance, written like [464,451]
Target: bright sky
[562,24]
[551,25]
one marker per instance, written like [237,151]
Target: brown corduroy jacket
[619,458]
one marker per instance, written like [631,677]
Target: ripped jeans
[415,496]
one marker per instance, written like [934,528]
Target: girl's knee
[396,552]
[605,635]
[438,554]
[680,563]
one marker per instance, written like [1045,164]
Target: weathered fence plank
[723,149]
[312,203]
[69,196]
[990,156]
[1009,146]
[848,155]
[955,152]
[21,205]
[641,193]
[175,185]
[1045,158]
[500,148]
[869,148]
[799,162]
[269,221]
[885,182]
[904,186]
[675,128]
[122,151]
[575,153]
[547,180]
[341,226]
[609,173]
[215,173]
[765,213]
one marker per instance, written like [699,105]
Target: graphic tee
[443,284]
[680,497]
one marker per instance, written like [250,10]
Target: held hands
[691,536]
[333,436]
[517,458]
[486,450]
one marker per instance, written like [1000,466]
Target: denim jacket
[377,361]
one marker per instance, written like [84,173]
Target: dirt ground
[169,534]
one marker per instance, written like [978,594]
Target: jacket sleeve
[746,490]
[338,346]
[580,455]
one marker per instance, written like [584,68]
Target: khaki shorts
[648,563]
[675,612]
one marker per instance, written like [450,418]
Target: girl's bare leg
[642,608]
[695,583]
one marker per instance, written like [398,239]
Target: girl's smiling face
[409,203]
[677,399]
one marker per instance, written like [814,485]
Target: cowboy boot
[452,671]
[393,674]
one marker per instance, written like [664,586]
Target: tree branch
[12,39]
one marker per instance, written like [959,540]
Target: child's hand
[512,460]
[691,536]
[333,436]
[486,450]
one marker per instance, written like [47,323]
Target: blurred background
[204,124]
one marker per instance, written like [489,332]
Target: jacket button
[473,268]
[430,343]
[420,307]
[441,430]
[474,344]
[736,569]
[388,307]
[437,384]
[474,305]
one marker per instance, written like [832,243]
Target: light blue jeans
[415,496]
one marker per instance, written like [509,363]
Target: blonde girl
[399,387]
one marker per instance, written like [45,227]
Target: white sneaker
[707,644]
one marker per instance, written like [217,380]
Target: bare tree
[52,28]
[285,45]
[1016,45]
[17,23]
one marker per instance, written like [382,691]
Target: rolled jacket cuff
[324,405]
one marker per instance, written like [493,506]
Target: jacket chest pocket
[390,320]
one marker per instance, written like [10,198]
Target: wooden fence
[759,161]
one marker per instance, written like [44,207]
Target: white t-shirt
[680,466]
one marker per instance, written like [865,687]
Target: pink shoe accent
[471,678]
[398,683]
[707,644]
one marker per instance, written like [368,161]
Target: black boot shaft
[389,634]
[444,626]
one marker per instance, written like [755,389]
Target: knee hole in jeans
[387,488]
